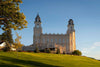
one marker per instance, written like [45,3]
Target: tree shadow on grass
[8,65]
[18,62]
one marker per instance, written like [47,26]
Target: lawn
[25,59]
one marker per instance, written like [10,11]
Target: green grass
[25,59]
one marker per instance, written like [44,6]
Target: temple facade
[65,42]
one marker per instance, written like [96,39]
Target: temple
[65,42]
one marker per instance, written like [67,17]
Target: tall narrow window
[67,40]
[43,40]
[55,40]
[63,40]
[51,40]
[59,40]
[47,40]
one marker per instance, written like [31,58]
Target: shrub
[48,51]
[58,51]
[45,50]
[37,50]
[19,50]
[64,52]
[41,50]
[77,52]
[5,49]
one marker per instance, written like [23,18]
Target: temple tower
[37,30]
[71,45]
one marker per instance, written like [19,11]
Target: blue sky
[55,15]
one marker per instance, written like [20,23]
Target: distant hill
[25,59]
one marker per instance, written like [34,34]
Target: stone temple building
[65,42]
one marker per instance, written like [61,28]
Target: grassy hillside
[25,59]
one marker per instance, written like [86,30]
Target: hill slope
[25,59]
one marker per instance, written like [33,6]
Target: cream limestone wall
[71,45]
[54,38]
[74,43]
[50,40]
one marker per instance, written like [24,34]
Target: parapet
[53,34]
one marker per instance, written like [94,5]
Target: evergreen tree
[10,15]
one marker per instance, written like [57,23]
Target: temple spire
[70,22]
[38,19]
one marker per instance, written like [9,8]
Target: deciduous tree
[37,50]
[10,15]
[77,52]
[7,36]
[17,43]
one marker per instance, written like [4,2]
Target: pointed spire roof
[70,22]
[37,19]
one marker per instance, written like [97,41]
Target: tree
[58,51]
[17,43]
[48,50]
[10,15]
[77,52]
[7,47]
[3,37]
[7,36]
[64,52]
[45,50]
[0,37]
[37,50]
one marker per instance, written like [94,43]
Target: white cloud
[87,50]
[84,50]
[97,44]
